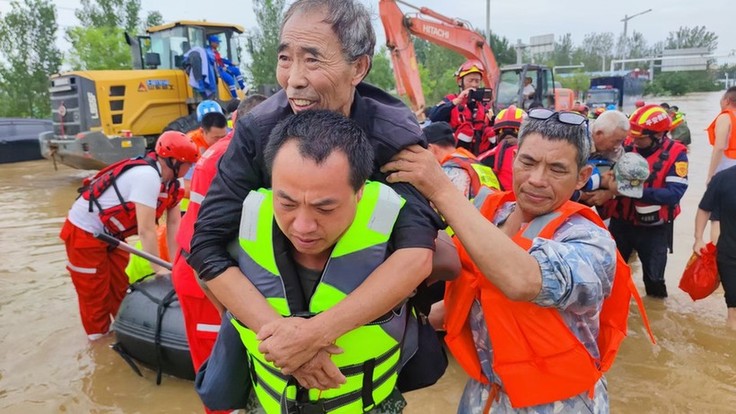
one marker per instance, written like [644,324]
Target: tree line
[29,52]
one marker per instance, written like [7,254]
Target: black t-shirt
[720,200]
[390,127]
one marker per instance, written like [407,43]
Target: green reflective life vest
[372,353]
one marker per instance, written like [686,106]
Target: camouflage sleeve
[459,178]
[577,266]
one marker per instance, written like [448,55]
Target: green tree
[153,18]
[381,74]
[98,48]
[263,42]
[437,66]
[110,13]
[563,51]
[30,55]
[692,37]
[578,82]
[595,51]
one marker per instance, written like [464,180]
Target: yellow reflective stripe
[374,219]
[486,175]
[256,229]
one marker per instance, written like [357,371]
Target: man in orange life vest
[643,221]
[124,199]
[459,164]
[466,112]
[537,319]
[722,135]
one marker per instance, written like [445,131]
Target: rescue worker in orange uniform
[124,199]
[643,221]
[535,318]
[213,127]
[198,135]
[459,164]
[201,311]
[466,112]
[722,135]
[501,157]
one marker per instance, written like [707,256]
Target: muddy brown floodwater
[48,366]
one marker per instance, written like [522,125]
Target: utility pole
[488,21]
[625,48]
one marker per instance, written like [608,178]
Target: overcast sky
[512,19]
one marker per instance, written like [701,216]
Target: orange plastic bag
[700,277]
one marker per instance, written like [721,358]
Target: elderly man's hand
[598,197]
[290,342]
[418,167]
[320,373]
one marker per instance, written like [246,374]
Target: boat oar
[119,244]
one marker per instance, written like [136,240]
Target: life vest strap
[365,394]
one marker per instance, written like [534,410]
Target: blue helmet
[213,38]
[206,107]
[611,107]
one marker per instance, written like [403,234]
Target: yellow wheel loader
[102,116]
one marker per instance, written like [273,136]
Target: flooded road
[48,366]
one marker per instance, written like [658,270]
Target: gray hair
[610,121]
[554,130]
[350,21]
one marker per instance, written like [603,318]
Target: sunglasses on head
[570,118]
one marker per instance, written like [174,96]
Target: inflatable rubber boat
[149,329]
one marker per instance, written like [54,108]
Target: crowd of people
[315,239]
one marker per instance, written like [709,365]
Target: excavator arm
[447,32]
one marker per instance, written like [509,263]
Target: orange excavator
[507,83]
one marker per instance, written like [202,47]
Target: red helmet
[510,117]
[470,66]
[639,104]
[598,111]
[176,145]
[652,118]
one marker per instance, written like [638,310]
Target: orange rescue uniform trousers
[201,318]
[98,274]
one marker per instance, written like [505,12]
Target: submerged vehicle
[100,117]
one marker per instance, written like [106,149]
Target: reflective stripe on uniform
[206,327]
[79,269]
[117,223]
[678,180]
[196,197]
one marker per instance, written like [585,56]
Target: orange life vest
[730,150]
[197,135]
[120,220]
[536,356]
[465,160]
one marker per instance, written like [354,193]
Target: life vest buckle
[311,407]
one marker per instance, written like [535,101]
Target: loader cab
[511,87]
[164,46]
